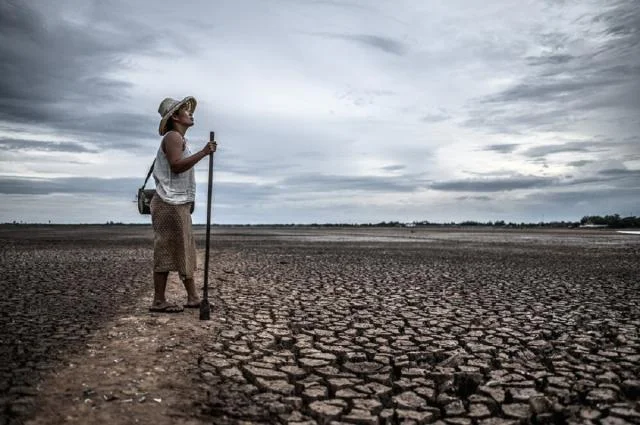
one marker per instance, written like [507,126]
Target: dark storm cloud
[386,44]
[52,71]
[502,147]
[42,146]
[493,184]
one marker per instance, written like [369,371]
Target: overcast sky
[325,111]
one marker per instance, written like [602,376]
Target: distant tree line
[614,221]
[500,223]
[611,221]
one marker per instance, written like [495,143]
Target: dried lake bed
[348,325]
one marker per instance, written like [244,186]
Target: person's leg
[192,295]
[160,304]
[161,219]
[190,261]
[159,287]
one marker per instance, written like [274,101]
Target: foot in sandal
[165,307]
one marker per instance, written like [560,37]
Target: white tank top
[171,187]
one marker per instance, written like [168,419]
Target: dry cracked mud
[325,326]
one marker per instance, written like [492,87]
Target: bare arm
[173,146]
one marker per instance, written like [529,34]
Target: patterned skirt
[174,248]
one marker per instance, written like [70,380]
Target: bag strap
[149,174]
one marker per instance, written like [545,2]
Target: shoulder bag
[145,195]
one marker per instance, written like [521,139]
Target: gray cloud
[53,68]
[473,198]
[573,204]
[564,85]
[623,21]
[238,194]
[436,117]
[334,183]
[580,163]
[255,167]
[42,146]
[502,147]
[386,44]
[620,172]
[65,73]
[393,167]
[613,178]
[552,59]
[543,150]
[88,185]
[361,97]
[356,6]
[124,126]
[225,192]
[513,119]
[551,90]
[603,197]
[494,184]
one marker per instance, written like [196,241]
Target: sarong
[174,248]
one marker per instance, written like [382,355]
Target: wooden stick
[205,307]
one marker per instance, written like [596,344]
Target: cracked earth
[324,326]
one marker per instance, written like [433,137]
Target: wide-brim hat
[170,106]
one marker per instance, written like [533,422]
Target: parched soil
[321,326]
[78,342]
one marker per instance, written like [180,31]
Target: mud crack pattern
[404,333]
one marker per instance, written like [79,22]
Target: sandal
[166,308]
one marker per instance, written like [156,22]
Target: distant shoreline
[434,228]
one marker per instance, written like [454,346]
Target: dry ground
[324,325]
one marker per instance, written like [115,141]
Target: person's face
[184,117]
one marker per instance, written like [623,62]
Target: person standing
[174,246]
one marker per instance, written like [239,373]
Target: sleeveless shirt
[174,188]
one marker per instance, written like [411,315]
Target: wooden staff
[205,308]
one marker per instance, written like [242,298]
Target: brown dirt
[462,326]
[138,369]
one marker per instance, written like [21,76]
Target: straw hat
[170,106]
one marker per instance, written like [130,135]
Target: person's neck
[180,129]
